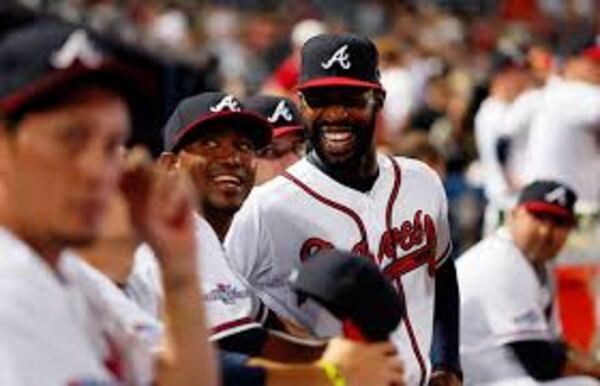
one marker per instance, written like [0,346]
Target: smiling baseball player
[345,195]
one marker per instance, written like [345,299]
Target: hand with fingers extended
[161,204]
[373,364]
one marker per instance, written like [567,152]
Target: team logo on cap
[227,103]
[558,195]
[282,111]
[341,57]
[77,47]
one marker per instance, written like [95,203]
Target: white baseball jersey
[230,306]
[401,223]
[488,130]
[564,142]
[51,332]
[503,300]
[516,126]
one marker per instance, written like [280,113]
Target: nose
[334,113]
[230,155]
[94,166]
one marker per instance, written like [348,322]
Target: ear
[302,102]
[379,96]
[168,160]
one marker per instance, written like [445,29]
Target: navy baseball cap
[45,58]
[352,288]
[550,198]
[195,114]
[329,60]
[281,112]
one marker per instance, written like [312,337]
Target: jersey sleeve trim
[517,336]
[233,327]
[444,256]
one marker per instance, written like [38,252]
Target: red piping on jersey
[230,325]
[408,262]
[335,205]
[363,233]
[444,255]
[402,267]
[393,196]
[413,339]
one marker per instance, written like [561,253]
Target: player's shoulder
[418,174]
[492,259]
[281,189]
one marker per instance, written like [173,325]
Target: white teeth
[345,136]
[226,178]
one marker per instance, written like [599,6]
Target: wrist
[332,373]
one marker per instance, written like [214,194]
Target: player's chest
[399,234]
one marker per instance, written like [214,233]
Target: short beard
[364,142]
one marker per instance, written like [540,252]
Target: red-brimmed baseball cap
[549,198]
[281,112]
[43,59]
[353,289]
[194,115]
[345,60]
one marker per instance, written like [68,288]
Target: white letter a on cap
[340,57]
[78,46]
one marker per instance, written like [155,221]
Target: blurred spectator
[509,80]
[284,78]
[563,142]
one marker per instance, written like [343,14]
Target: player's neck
[361,178]
[49,251]
[219,220]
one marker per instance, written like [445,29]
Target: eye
[209,143]
[245,146]
[267,152]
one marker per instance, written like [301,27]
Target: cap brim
[335,81]
[260,130]
[542,207]
[135,87]
[284,130]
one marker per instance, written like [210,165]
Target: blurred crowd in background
[440,60]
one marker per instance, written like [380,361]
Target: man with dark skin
[345,195]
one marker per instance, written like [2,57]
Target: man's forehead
[221,131]
[338,91]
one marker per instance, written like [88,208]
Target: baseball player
[345,195]
[213,138]
[288,144]
[64,118]
[217,148]
[508,336]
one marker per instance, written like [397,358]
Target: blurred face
[340,123]
[63,166]
[539,237]
[222,165]
[279,155]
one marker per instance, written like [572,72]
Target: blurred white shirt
[564,139]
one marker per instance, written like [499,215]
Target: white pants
[565,381]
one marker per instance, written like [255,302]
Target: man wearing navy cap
[288,144]
[508,332]
[345,195]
